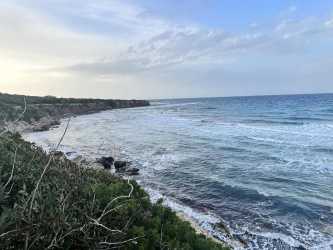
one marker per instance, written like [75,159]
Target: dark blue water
[263,165]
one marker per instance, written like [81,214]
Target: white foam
[205,220]
[325,246]
[284,238]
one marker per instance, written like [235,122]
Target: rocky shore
[31,113]
[50,202]
[124,169]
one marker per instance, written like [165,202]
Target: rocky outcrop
[45,124]
[132,171]
[124,167]
[58,110]
[120,167]
[106,162]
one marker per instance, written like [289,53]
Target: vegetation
[49,202]
[11,106]
[17,100]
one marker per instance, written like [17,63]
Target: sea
[261,166]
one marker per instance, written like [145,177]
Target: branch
[24,110]
[12,172]
[105,211]
[119,243]
[97,223]
[4,234]
[46,167]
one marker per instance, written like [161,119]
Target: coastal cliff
[40,113]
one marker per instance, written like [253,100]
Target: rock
[77,159]
[80,160]
[132,171]
[57,153]
[41,128]
[107,162]
[45,124]
[70,153]
[120,164]
[223,227]
[240,239]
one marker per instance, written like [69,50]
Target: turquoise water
[263,165]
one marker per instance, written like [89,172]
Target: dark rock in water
[222,226]
[57,153]
[107,162]
[70,153]
[240,239]
[41,128]
[45,124]
[132,171]
[120,164]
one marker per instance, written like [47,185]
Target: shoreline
[198,229]
[83,162]
[25,128]
[81,190]
[48,122]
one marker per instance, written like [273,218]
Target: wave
[329,110]
[244,237]
[157,103]
[304,132]
[208,108]
[256,138]
[297,118]
[326,150]
[176,104]
[263,121]
[233,149]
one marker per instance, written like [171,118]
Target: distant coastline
[41,113]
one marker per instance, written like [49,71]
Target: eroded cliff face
[61,109]
[54,112]
[43,112]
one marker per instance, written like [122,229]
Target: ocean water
[262,165]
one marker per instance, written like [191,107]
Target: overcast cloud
[128,49]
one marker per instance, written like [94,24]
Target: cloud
[171,48]
[119,18]
[329,23]
[124,45]
[28,35]
[193,45]
[304,28]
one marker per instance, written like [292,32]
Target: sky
[165,49]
